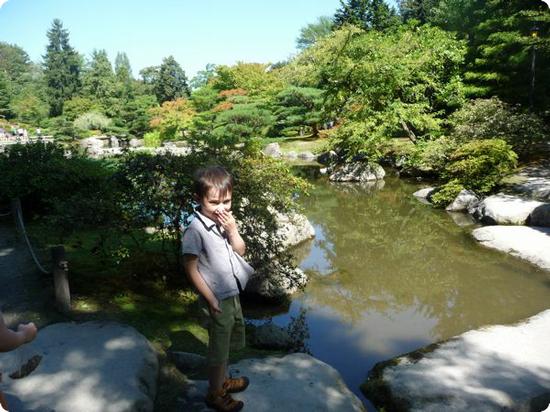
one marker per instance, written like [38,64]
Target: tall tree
[5,96]
[500,52]
[123,70]
[62,66]
[171,82]
[99,77]
[366,14]
[14,61]
[421,10]
[313,32]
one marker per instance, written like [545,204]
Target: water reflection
[381,250]
[390,275]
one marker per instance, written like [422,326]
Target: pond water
[389,275]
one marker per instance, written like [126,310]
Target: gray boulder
[502,209]
[327,158]
[294,228]
[357,172]
[89,367]
[290,155]
[273,150]
[527,243]
[186,361]
[498,368]
[296,382]
[276,281]
[464,201]
[93,146]
[135,142]
[424,194]
[307,156]
[540,216]
[270,336]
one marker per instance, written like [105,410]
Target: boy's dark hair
[212,177]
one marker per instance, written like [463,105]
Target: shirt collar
[206,221]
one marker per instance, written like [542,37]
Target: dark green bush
[445,194]
[479,165]
[494,119]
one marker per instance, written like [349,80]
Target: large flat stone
[89,367]
[528,243]
[296,382]
[498,368]
[502,209]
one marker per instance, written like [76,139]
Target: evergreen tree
[123,70]
[501,48]
[366,14]
[99,78]
[171,82]
[421,10]
[5,96]
[62,66]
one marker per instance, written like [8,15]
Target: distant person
[212,256]
[10,340]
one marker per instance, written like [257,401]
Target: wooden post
[61,279]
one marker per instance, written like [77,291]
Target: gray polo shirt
[219,265]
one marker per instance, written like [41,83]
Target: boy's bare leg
[216,376]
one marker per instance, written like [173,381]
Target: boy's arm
[10,340]
[190,263]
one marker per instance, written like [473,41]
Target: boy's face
[212,203]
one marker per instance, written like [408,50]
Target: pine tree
[366,14]
[62,66]
[99,78]
[421,10]
[123,70]
[171,82]
[501,47]
[5,96]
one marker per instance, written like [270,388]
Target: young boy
[212,256]
[10,340]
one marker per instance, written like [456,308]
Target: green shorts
[225,330]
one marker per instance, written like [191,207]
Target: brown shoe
[221,401]
[233,385]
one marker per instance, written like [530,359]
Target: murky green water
[389,275]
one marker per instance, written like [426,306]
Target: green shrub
[356,138]
[92,121]
[152,139]
[430,156]
[479,165]
[492,118]
[74,192]
[446,193]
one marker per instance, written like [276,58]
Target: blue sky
[195,32]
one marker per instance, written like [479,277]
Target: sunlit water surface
[389,275]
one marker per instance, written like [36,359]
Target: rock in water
[357,172]
[498,368]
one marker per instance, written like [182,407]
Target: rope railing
[18,212]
